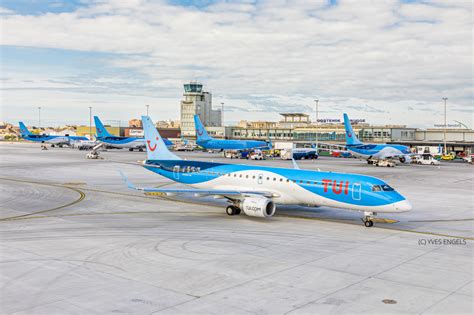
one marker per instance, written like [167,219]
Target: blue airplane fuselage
[215,144]
[291,186]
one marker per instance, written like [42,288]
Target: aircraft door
[260,178]
[356,191]
[176,172]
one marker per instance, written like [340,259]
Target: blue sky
[385,61]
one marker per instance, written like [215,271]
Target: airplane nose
[403,205]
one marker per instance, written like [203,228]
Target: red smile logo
[150,147]
[349,135]
[200,132]
[99,130]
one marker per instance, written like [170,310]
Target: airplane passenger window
[246,176]
[268,178]
[376,188]
[253,177]
[386,187]
[274,179]
[240,175]
[281,179]
[308,182]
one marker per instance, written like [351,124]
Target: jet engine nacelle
[405,159]
[258,207]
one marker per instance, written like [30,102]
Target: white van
[426,159]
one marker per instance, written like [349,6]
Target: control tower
[197,101]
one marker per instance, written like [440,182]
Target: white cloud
[379,53]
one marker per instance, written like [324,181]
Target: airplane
[207,142]
[53,140]
[120,142]
[373,152]
[256,190]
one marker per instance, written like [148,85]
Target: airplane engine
[405,159]
[258,207]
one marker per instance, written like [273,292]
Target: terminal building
[197,102]
[297,127]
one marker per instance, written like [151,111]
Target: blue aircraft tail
[155,147]
[351,138]
[23,130]
[100,129]
[201,132]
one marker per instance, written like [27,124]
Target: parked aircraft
[256,190]
[130,143]
[374,152]
[50,139]
[207,142]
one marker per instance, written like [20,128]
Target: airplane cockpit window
[386,187]
[376,188]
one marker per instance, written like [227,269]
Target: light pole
[90,122]
[445,150]
[147,109]
[39,117]
[222,114]
[317,121]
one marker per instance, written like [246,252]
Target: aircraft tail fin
[201,132]
[351,138]
[155,146]
[23,130]
[100,129]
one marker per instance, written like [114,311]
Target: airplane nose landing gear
[368,216]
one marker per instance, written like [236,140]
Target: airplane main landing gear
[232,210]
[368,216]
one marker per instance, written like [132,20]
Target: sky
[387,61]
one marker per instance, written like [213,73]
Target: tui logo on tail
[154,146]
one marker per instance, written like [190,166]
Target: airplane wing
[232,194]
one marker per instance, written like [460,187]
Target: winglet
[127,182]
[295,165]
